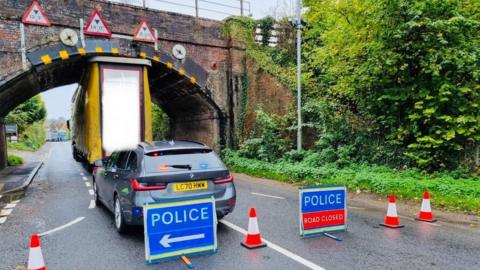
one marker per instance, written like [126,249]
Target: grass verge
[447,192]
[14,160]
[22,147]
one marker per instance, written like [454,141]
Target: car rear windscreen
[182,160]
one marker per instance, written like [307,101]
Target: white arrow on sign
[166,240]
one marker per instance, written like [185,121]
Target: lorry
[111,108]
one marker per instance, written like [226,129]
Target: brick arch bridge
[199,93]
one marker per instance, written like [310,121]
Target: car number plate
[189,186]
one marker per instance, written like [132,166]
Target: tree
[409,69]
[27,113]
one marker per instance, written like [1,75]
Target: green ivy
[266,27]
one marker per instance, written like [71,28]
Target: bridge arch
[179,87]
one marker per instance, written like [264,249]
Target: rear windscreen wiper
[180,166]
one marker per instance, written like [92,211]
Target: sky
[58,100]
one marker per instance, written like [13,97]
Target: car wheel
[96,198]
[118,215]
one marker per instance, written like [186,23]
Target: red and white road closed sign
[97,26]
[323,209]
[36,15]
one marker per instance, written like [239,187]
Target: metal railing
[213,9]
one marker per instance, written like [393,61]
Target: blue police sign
[176,228]
[323,209]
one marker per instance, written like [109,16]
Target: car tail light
[232,202]
[224,180]
[141,187]
[95,168]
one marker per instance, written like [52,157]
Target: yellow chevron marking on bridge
[63,54]
[46,59]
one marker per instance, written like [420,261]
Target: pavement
[60,197]
[15,177]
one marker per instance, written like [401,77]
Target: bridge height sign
[176,228]
[323,209]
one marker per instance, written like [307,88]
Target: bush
[266,141]
[14,160]
[448,191]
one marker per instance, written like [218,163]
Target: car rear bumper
[223,205]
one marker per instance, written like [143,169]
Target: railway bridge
[198,89]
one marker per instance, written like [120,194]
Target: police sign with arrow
[176,228]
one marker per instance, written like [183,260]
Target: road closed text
[324,218]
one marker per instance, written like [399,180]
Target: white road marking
[277,248]
[87,184]
[10,205]
[62,227]
[92,204]
[3,219]
[49,154]
[5,212]
[15,202]
[85,178]
[90,192]
[265,195]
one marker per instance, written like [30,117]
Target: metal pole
[22,46]
[241,7]
[82,35]
[155,32]
[196,8]
[3,145]
[299,75]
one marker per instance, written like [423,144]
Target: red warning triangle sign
[97,26]
[144,32]
[35,15]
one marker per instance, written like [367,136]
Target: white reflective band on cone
[426,205]
[35,259]
[253,226]
[392,210]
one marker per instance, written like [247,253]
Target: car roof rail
[190,141]
[144,145]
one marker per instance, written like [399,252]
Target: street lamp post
[298,23]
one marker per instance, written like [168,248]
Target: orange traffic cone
[35,257]
[426,210]
[253,239]
[392,220]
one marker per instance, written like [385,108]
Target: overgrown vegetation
[32,138]
[29,117]
[14,160]
[393,83]
[406,73]
[450,191]
[160,123]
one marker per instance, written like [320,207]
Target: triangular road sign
[36,15]
[97,26]
[144,32]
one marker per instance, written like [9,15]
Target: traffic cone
[426,211]
[392,220]
[253,239]
[35,257]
